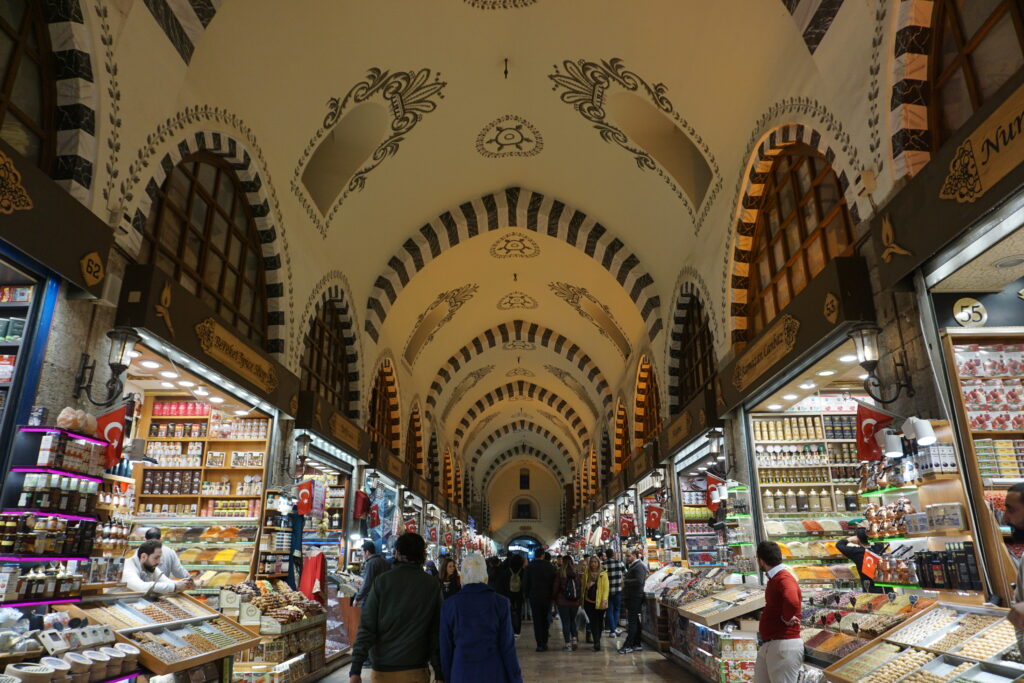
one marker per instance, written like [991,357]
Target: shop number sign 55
[970,312]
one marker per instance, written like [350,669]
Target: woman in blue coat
[476,631]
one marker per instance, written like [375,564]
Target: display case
[944,641]
[722,606]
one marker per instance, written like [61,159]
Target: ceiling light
[1011,261]
[216,399]
[808,385]
[241,412]
[166,385]
[826,373]
[150,364]
[168,374]
[789,397]
[202,392]
[862,377]
[186,383]
[775,406]
[134,354]
[694,474]
[848,358]
[721,457]
[703,469]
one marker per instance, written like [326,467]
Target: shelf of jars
[275,537]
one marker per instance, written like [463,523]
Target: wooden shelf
[123,480]
[179,418]
[168,495]
[230,496]
[229,467]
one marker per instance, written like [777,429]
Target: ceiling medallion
[519,345]
[517,300]
[519,372]
[509,136]
[499,4]
[515,245]
[594,311]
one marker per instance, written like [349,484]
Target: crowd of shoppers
[463,624]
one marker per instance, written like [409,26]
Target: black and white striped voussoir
[518,426]
[183,22]
[502,458]
[522,388]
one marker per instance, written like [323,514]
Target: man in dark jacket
[400,619]
[374,565]
[539,589]
[633,600]
[853,548]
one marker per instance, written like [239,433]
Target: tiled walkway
[556,665]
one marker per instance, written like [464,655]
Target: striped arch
[622,439]
[523,209]
[908,104]
[383,414]
[274,251]
[592,473]
[77,96]
[332,289]
[414,441]
[750,204]
[691,289]
[448,474]
[432,470]
[501,459]
[522,388]
[647,403]
[519,330]
[606,460]
[518,426]
[183,22]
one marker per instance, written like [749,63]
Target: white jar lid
[96,656]
[127,648]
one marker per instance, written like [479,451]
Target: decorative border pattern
[499,4]
[585,86]
[908,108]
[691,287]
[575,386]
[514,244]
[519,372]
[415,432]
[574,294]
[511,336]
[333,286]
[513,207]
[646,375]
[455,299]
[465,386]
[77,97]
[499,137]
[260,193]
[408,95]
[517,299]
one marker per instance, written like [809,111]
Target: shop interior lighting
[241,412]
[890,443]
[808,385]
[169,374]
[865,338]
[920,430]
[122,344]
[790,397]
[216,399]
[134,354]
[150,364]
[848,358]
[186,383]
[774,406]
[166,385]
[826,373]
[201,392]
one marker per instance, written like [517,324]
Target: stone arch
[413,447]
[271,239]
[754,180]
[908,104]
[690,289]
[521,497]
[524,209]
[521,425]
[432,466]
[386,381]
[623,438]
[519,331]
[333,287]
[522,388]
[647,398]
[504,457]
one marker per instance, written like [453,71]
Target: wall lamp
[122,343]
[865,337]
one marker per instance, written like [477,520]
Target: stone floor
[557,665]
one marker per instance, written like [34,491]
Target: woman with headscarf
[476,631]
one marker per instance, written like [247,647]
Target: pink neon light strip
[47,470]
[45,513]
[54,430]
[33,558]
[40,603]
[124,678]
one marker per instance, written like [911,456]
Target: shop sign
[970,312]
[695,419]
[220,344]
[1004,308]
[422,487]
[769,349]
[392,465]
[994,149]
[636,465]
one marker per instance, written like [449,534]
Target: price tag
[914,600]
[856,627]
[248,614]
[891,595]
[853,601]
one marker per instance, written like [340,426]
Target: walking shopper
[633,600]
[374,565]
[450,581]
[567,598]
[539,589]
[399,624]
[515,590]
[476,632]
[1014,516]
[595,597]
[780,654]
[616,569]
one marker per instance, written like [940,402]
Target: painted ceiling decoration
[437,315]
[407,95]
[554,419]
[515,244]
[577,388]
[595,312]
[524,391]
[509,136]
[519,335]
[183,22]
[496,465]
[585,85]
[517,428]
[519,372]
[813,19]
[482,424]
[499,4]
[517,299]
[524,209]
[461,390]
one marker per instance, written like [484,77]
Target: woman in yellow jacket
[595,597]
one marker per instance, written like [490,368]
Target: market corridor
[558,666]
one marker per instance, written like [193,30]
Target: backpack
[571,590]
[515,584]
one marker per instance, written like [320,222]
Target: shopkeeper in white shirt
[170,565]
[142,572]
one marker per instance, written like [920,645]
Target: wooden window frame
[697,353]
[33,21]
[324,362]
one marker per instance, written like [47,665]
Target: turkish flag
[374,516]
[110,428]
[870,421]
[305,494]
[410,526]
[432,534]
[870,566]
[606,533]
[626,525]
[448,538]
[653,516]
[714,484]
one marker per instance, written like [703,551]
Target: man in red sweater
[781,654]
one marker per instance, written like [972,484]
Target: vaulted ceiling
[543,175]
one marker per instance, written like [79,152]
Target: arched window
[647,412]
[28,91]
[383,421]
[803,223]
[523,509]
[414,441]
[622,439]
[433,466]
[325,356]
[201,232]
[977,45]
[524,479]
[696,354]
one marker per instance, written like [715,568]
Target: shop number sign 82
[970,312]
